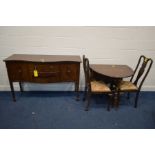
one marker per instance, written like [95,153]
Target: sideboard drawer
[18,71]
[44,67]
[69,72]
[47,72]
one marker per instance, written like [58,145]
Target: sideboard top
[44,58]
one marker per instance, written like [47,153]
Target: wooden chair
[140,73]
[93,86]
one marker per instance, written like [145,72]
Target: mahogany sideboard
[43,69]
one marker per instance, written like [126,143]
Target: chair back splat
[140,73]
[142,64]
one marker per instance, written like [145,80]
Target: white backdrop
[111,45]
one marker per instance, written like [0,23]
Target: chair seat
[127,86]
[99,86]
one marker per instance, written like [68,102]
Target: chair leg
[88,101]
[136,99]
[118,99]
[85,93]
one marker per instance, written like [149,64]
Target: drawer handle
[68,71]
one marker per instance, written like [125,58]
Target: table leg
[117,93]
[116,96]
[117,99]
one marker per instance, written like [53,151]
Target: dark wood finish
[88,79]
[112,74]
[113,71]
[43,58]
[140,73]
[51,69]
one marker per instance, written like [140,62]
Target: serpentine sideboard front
[43,69]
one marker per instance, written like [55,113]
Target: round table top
[113,71]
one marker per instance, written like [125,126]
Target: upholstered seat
[99,86]
[140,73]
[93,86]
[127,85]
